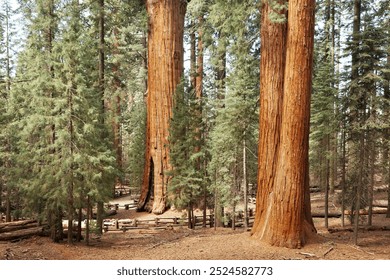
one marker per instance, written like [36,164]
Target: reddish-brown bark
[165,68]
[283,206]
[199,62]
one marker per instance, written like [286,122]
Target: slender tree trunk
[334,140]
[371,186]
[116,104]
[8,205]
[245,184]
[57,213]
[234,216]
[343,174]
[386,170]
[199,96]
[8,144]
[165,68]
[357,117]
[79,220]
[388,193]
[282,210]
[70,188]
[100,205]
[87,228]
[327,180]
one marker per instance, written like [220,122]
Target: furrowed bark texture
[283,203]
[165,68]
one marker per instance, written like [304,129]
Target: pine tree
[61,154]
[366,74]
[185,187]
[236,120]
[126,24]
[324,113]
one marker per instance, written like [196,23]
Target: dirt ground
[208,244]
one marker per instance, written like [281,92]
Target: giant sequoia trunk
[165,67]
[283,203]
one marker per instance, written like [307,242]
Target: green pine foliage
[187,157]
[134,143]
[126,80]
[325,102]
[57,152]
[237,119]
[364,98]
[62,157]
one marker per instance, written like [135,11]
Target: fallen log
[366,228]
[111,212]
[15,228]
[365,211]
[335,230]
[315,189]
[322,215]
[17,223]
[21,234]
[380,205]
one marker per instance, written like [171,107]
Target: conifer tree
[185,187]
[364,85]
[236,120]
[126,23]
[324,118]
[61,156]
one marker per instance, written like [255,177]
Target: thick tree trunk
[55,223]
[193,56]
[283,209]
[165,68]
[272,66]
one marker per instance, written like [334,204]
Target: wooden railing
[168,222]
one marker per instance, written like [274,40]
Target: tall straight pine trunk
[165,68]
[283,203]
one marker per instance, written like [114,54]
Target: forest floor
[209,244]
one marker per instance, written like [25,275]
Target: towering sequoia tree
[165,67]
[283,206]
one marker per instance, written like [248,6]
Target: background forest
[73,89]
